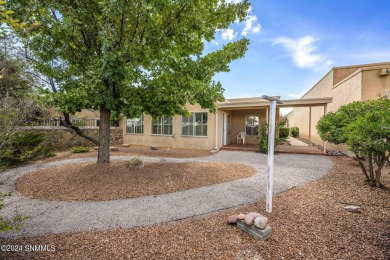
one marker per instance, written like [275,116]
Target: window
[135,125]
[97,122]
[252,125]
[195,124]
[162,125]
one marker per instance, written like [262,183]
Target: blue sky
[294,43]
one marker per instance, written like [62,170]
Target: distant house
[344,85]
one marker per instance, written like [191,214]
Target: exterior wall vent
[384,72]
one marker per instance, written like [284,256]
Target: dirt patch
[308,223]
[133,150]
[95,182]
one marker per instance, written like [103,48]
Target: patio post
[271,145]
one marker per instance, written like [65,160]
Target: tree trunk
[362,167]
[371,170]
[104,136]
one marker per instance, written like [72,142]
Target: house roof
[258,102]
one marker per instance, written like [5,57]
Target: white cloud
[233,1]
[228,34]
[303,52]
[250,25]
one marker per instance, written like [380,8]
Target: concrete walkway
[295,142]
[58,217]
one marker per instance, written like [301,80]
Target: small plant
[80,149]
[6,225]
[262,138]
[284,132]
[294,131]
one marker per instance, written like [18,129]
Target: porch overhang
[256,103]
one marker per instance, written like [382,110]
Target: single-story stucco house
[208,131]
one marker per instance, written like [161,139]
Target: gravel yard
[308,222]
[95,182]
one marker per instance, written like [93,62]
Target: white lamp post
[271,145]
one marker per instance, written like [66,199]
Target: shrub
[294,131]
[80,149]
[364,127]
[23,147]
[262,138]
[284,132]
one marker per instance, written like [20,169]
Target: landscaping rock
[241,216]
[136,163]
[154,147]
[96,148]
[113,149]
[352,208]
[232,219]
[261,222]
[125,145]
[250,218]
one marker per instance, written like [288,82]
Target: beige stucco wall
[238,123]
[176,140]
[373,85]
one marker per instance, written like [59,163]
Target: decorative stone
[250,218]
[136,163]
[96,148]
[241,216]
[261,222]
[353,209]
[261,234]
[154,147]
[125,145]
[113,149]
[232,219]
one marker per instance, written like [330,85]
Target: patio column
[310,123]
[324,142]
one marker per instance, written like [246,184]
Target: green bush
[364,127]
[23,147]
[294,131]
[284,132]
[80,149]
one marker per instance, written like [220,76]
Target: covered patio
[248,114]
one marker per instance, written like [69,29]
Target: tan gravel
[96,182]
[308,223]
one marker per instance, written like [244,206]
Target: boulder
[96,148]
[250,218]
[232,219]
[154,147]
[136,163]
[241,216]
[113,149]
[125,145]
[261,222]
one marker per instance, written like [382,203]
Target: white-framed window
[195,124]
[162,125]
[252,125]
[135,125]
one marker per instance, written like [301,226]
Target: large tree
[130,56]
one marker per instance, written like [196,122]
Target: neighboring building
[344,85]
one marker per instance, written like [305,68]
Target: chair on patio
[241,136]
